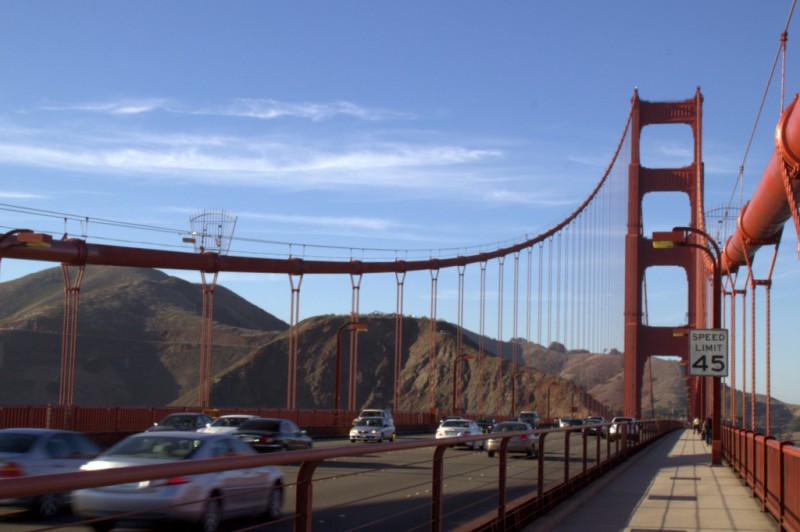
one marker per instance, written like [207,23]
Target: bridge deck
[669,486]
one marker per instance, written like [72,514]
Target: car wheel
[47,505]
[352,441]
[274,502]
[103,526]
[529,453]
[490,453]
[212,515]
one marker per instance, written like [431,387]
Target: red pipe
[762,218]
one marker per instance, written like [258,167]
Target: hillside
[138,336]
[138,344]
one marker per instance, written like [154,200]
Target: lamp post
[514,376]
[459,358]
[548,397]
[351,326]
[679,236]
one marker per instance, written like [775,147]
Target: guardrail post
[566,458]
[437,485]
[540,472]
[502,483]
[585,436]
[304,499]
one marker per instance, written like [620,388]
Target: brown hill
[138,336]
[138,344]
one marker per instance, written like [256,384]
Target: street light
[351,326]
[678,235]
[459,358]
[549,387]
[516,374]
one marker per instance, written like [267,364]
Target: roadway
[380,490]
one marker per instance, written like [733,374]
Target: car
[526,444]
[266,434]
[203,500]
[570,422]
[454,428]
[374,429]
[594,424]
[28,452]
[224,424]
[531,417]
[188,421]
[615,430]
[486,424]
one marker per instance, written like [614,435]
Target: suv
[616,428]
[386,415]
[531,417]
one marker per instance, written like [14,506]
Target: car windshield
[163,447]
[510,427]
[228,421]
[16,443]
[178,421]
[456,424]
[370,422]
[267,425]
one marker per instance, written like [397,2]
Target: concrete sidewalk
[670,486]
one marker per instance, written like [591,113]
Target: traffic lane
[367,489]
[357,491]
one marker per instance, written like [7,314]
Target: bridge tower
[641,340]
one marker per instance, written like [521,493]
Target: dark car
[182,421]
[486,424]
[595,424]
[273,434]
[29,452]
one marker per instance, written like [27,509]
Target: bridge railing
[770,468]
[541,486]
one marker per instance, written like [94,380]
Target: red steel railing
[770,468]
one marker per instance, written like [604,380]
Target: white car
[454,428]
[617,426]
[374,429]
[195,499]
[226,424]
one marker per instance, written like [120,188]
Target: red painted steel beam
[762,218]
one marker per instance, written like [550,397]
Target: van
[531,417]
[376,412]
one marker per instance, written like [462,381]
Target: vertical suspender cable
[432,351]
[481,340]
[398,337]
[498,386]
[542,366]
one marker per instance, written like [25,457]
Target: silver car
[527,443]
[28,452]
[226,424]
[203,500]
[374,429]
[455,428]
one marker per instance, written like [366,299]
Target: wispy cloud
[349,222]
[269,109]
[123,107]
[8,194]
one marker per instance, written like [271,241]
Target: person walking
[707,430]
[696,425]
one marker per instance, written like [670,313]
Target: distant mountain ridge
[138,344]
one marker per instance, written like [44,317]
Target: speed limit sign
[708,352]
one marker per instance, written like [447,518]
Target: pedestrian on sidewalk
[707,430]
[696,425]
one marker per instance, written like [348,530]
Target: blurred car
[486,424]
[531,417]
[204,500]
[226,424]
[594,424]
[372,429]
[618,424]
[29,452]
[570,422]
[182,421]
[454,428]
[266,434]
[527,443]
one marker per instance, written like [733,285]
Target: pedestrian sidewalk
[670,486]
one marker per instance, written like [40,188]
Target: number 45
[717,363]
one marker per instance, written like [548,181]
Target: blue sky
[414,126]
